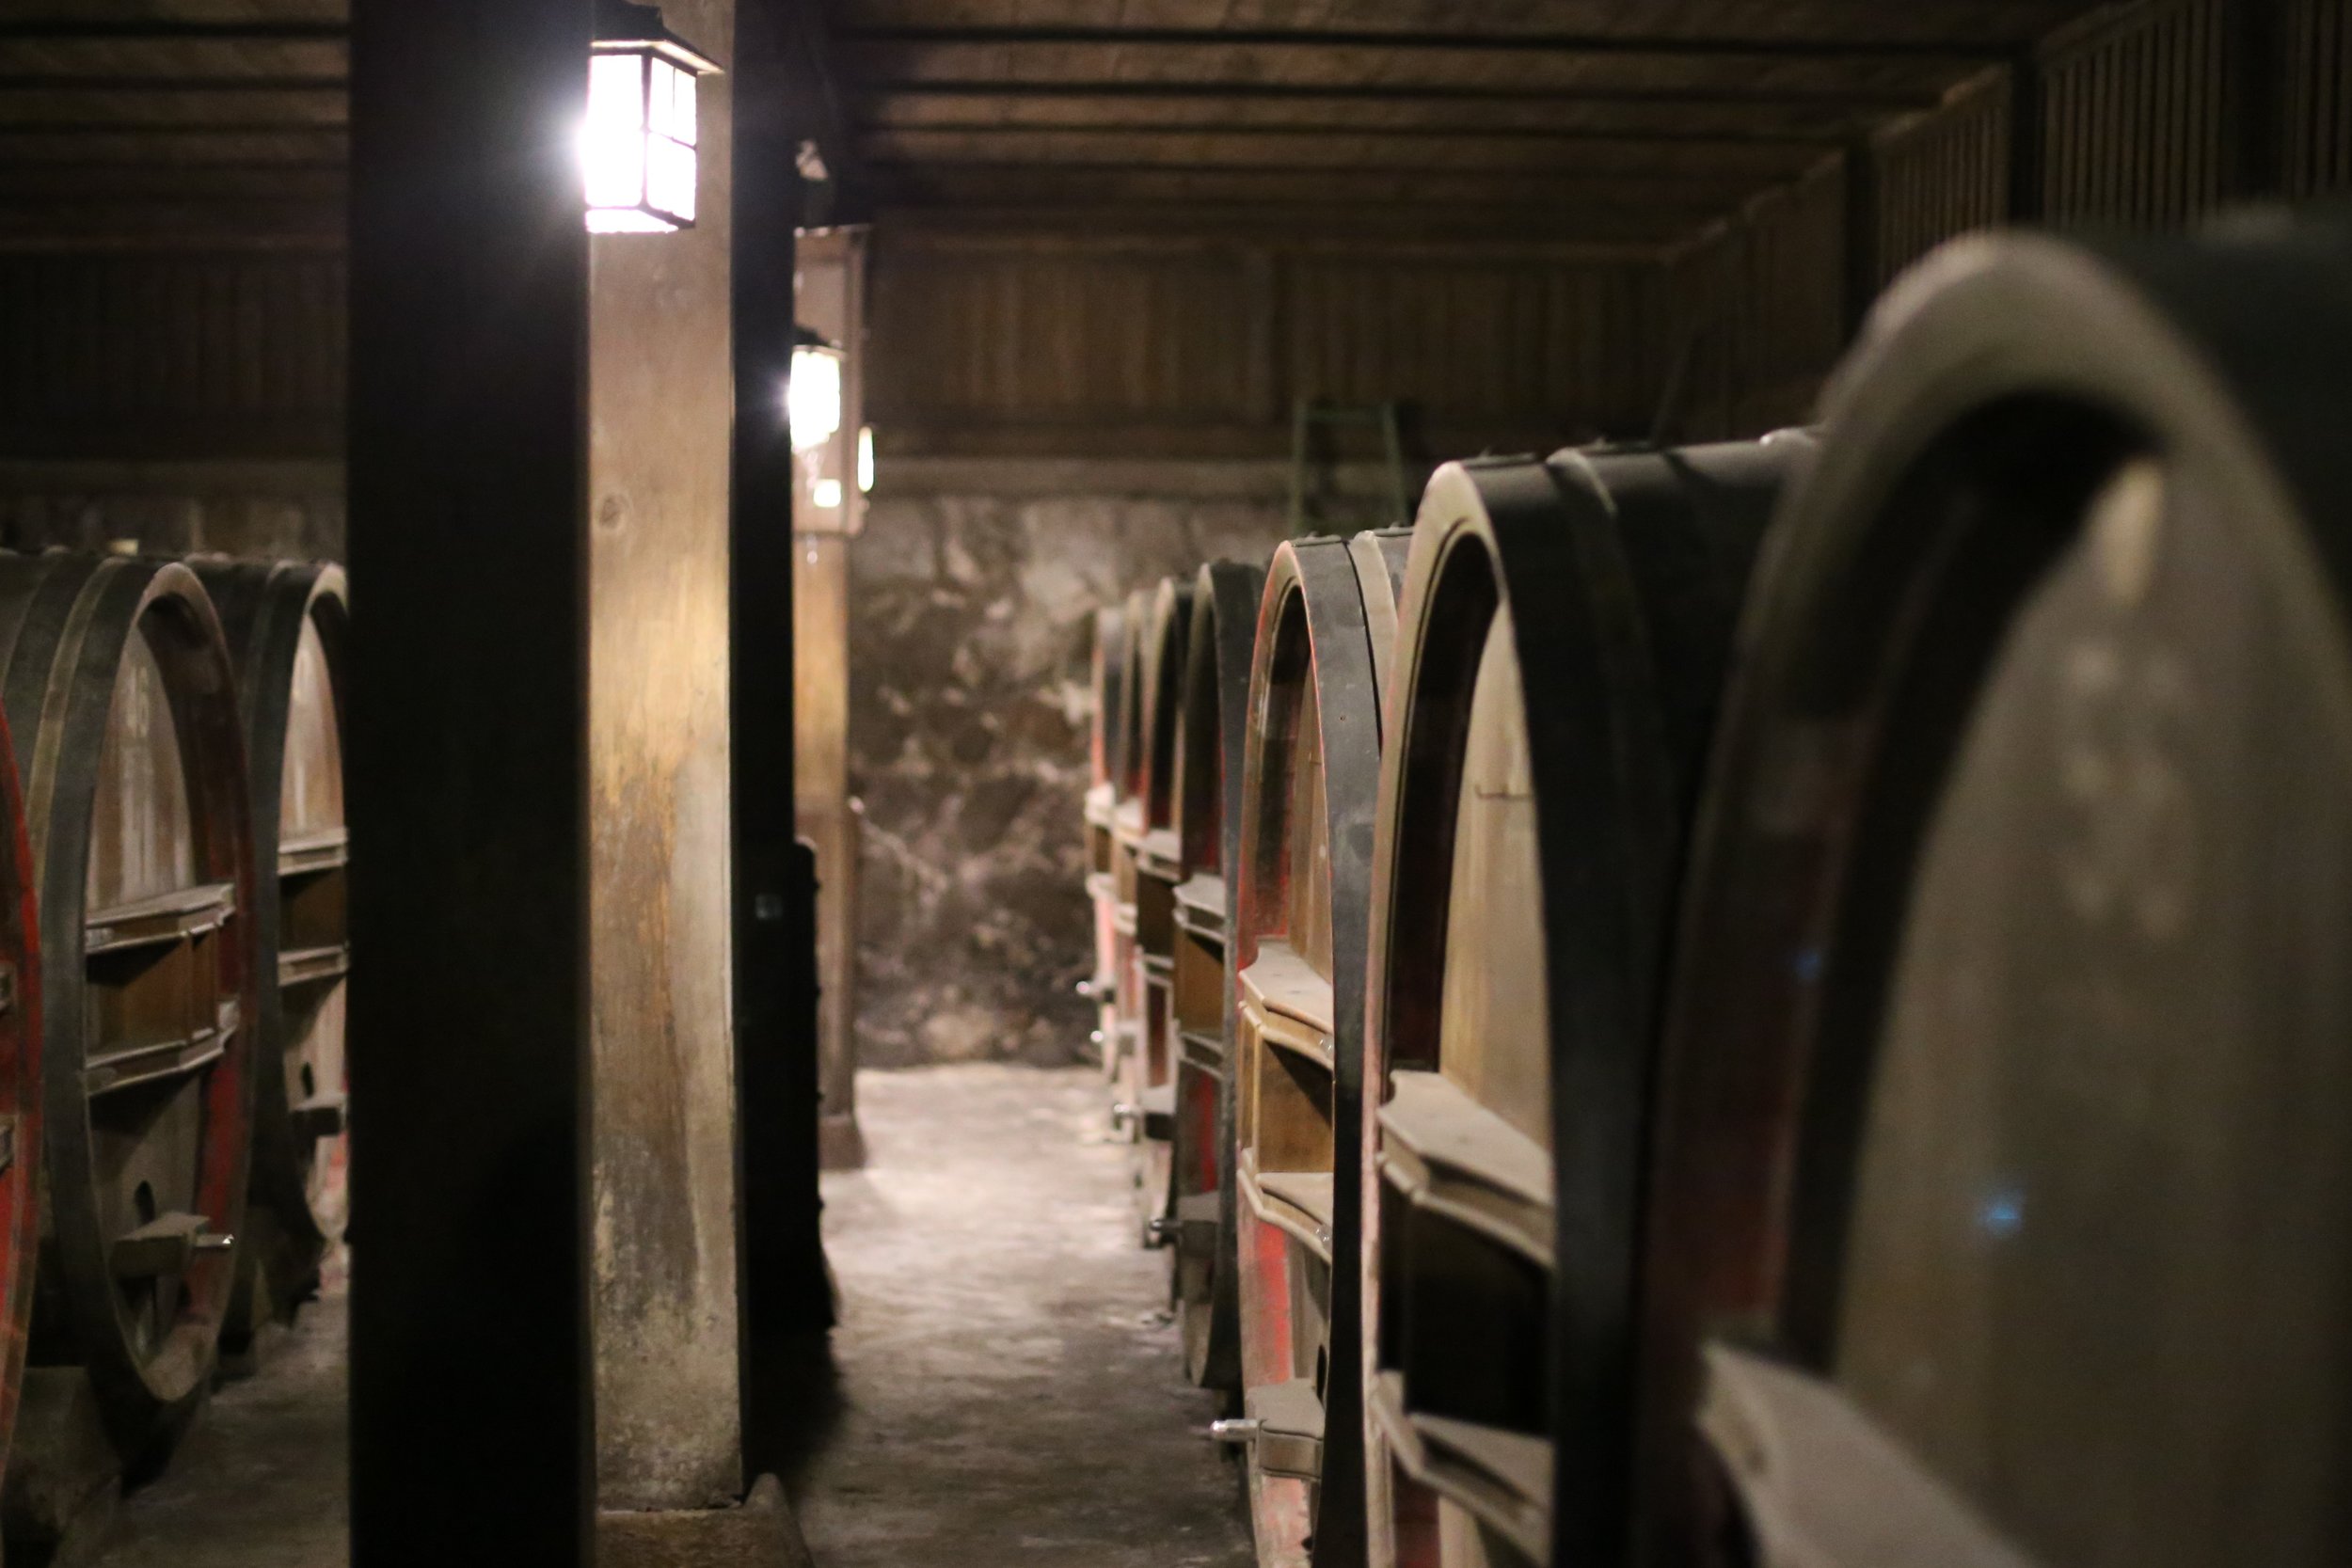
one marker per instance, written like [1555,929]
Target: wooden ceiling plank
[178,146]
[1116,147]
[1846,45]
[2001,22]
[1258,67]
[255,108]
[212,13]
[174,59]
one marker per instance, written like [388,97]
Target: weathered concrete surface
[969,617]
[262,1481]
[660,403]
[1008,1393]
[759,1534]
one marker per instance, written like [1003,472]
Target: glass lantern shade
[638,148]
[813,400]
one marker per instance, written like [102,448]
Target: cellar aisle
[1009,1392]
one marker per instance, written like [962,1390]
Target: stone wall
[972,593]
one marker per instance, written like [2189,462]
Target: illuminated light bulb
[813,399]
[865,461]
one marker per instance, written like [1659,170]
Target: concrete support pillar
[662,396]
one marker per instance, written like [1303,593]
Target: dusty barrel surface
[2005,1193]
[286,626]
[127,740]
[1107,675]
[1150,1084]
[1213,723]
[1309,784]
[1562,637]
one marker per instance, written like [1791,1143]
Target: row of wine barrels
[2004,1197]
[1211,730]
[135,930]
[126,737]
[1567,625]
[286,626]
[1780,1002]
[1326,623]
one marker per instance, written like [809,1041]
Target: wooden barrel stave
[286,626]
[1310,770]
[1124,1045]
[1208,781]
[2010,865]
[140,818]
[22,1145]
[1108,676]
[1158,861]
[1529,835]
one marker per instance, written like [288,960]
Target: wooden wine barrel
[21,1143]
[286,626]
[1310,780]
[1564,627]
[1125,1041]
[2004,1189]
[126,736]
[1149,1086]
[1215,712]
[1108,677]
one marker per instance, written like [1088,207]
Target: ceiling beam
[1954,52]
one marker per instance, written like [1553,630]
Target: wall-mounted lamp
[865,460]
[638,148]
[813,400]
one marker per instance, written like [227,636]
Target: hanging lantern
[638,149]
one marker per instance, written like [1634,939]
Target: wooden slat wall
[1071,345]
[234,355]
[1757,309]
[2134,128]
[1940,174]
[2317,111]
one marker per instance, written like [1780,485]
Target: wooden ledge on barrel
[1296,1202]
[1199,1048]
[315,852]
[167,917]
[1503,1478]
[1287,1422]
[1201,905]
[1454,1158]
[150,1061]
[1288,1003]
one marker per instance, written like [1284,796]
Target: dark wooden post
[784,1290]
[470,1372]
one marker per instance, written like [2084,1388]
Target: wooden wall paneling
[1150,345]
[160,356]
[1939,174]
[2316,97]
[2133,124]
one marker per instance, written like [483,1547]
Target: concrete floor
[260,1483]
[1011,1392]
[1003,1389]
